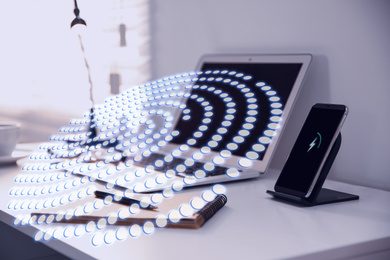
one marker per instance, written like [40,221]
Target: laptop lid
[237,107]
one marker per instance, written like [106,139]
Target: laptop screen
[268,84]
[239,107]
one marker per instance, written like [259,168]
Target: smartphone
[311,149]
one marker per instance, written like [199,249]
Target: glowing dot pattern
[108,143]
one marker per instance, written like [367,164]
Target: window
[43,63]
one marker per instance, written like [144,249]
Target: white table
[252,225]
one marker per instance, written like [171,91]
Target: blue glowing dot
[68,232]
[191,141]
[38,236]
[276,119]
[252,155]
[46,204]
[276,105]
[200,174]
[134,209]
[189,180]
[205,150]
[88,207]
[121,233]
[184,147]
[208,108]
[229,117]
[219,189]
[161,179]
[167,192]
[186,210]
[174,216]
[135,230]
[238,139]
[276,111]
[270,133]
[57,233]
[226,123]
[98,204]
[198,134]
[231,111]
[258,147]
[170,173]
[222,130]
[273,126]
[206,121]
[101,223]
[150,183]
[97,239]
[156,198]
[197,203]
[90,226]
[212,144]
[245,162]
[209,166]
[208,195]
[112,218]
[250,119]
[79,230]
[49,219]
[232,146]
[109,237]
[148,228]
[177,185]
[48,234]
[252,106]
[218,160]
[248,126]
[60,215]
[243,132]
[161,221]
[208,114]
[232,173]
[189,162]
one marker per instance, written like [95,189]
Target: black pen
[122,200]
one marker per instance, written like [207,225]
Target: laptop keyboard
[189,170]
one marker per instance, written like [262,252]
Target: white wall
[350,41]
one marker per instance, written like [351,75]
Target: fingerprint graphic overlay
[116,145]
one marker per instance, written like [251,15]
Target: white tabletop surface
[252,225]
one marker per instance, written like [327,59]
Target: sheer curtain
[42,66]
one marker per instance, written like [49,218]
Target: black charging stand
[319,194]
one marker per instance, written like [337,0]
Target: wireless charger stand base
[320,195]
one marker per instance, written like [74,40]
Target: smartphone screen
[311,149]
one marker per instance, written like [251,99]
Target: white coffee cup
[9,137]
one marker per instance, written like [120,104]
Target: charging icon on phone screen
[315,142]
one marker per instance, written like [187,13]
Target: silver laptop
[219,123]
